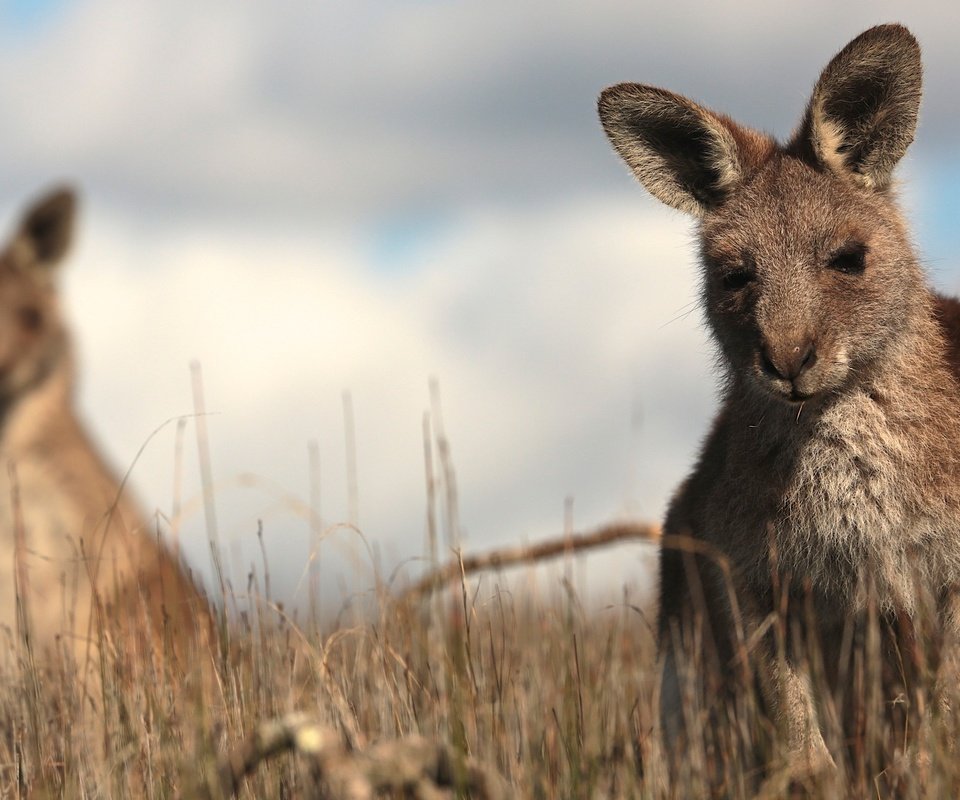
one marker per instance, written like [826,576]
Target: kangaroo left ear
[47,227]
[684,154]
[863,113]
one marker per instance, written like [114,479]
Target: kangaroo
[79,568]
[829,486]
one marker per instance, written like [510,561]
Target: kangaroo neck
[40,412]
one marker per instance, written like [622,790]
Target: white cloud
[299,108]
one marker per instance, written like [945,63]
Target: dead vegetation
[478,691]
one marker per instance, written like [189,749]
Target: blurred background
[315,198]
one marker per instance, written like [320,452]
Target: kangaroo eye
[30,318]
[850,259]
[737,279]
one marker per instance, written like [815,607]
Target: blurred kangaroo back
[82,574]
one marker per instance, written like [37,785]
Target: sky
[318,199]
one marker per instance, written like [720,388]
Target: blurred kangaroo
[829,486]
[79,567]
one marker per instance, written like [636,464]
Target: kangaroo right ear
[47,228]
[685,155]
[863,113]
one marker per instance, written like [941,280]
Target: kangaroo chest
[41,535]
[851,512]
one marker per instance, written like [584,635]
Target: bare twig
[512,556]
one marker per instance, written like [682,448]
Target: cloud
[301,109]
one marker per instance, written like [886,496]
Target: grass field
[525,682]
[554,698]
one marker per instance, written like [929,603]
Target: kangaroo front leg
[788,694]
[671,702]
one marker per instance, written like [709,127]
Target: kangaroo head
[809,278]
[32,336]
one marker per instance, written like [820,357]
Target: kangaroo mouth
[798,398]
[788,392]
[804,388]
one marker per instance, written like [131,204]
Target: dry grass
[531,687]
[885,717]
[553,698]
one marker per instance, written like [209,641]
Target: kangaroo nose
[788,362]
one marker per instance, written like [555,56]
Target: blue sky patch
[936,221]
[28,15]
[401,241]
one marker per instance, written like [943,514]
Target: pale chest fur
[861,507]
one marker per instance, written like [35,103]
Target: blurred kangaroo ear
[863,113]
[685,155]
[47,227]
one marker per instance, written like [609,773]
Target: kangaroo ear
[863,113]
[47,228]
[685,155]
